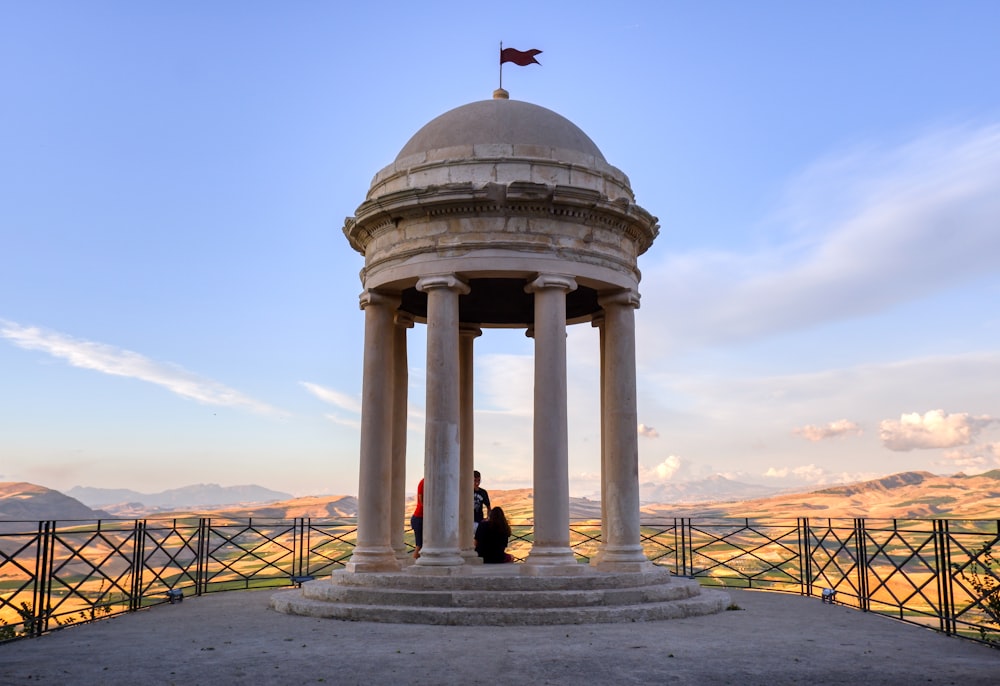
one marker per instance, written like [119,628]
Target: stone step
[707,602]
[511,577]
[501,597]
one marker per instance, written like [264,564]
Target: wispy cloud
[817,476]
[838,429]
[108,359]
[972,459]
[342,401]
[858,234]
[352,406]
[344,421]
[336,398]
[507,383]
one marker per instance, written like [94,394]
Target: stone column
[442,446]
[467,334]
[551,431]
[374,552]
[598,323]
[622,550]
[400,386]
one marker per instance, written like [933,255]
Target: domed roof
[500,121]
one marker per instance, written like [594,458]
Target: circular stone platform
[500,595]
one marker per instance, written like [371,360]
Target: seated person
[491,538]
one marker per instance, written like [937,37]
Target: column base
[430,557]
[551,557]
[471,557]
[621,559]
[373,560]
[429,570]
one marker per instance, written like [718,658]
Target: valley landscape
[906,495]
[741,543]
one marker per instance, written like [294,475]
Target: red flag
[520,58]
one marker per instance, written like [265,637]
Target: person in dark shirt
[480,500]
[492,536]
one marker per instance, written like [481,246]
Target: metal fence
[938,573]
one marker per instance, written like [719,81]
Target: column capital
[379,299]
[403,320]
[627,297]
[546,281]
[449,281]
[470,330]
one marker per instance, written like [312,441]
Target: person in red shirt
[417,520]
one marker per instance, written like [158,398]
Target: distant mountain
[714,489]
[907,495]
[125,502]
[20,501]
[518,505]
[309,506]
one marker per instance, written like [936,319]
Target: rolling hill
[907,495]
[24,502]
[128,503]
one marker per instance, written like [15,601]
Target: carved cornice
[517,199]
[467,247]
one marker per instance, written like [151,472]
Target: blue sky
[178,303]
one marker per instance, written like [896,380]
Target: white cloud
[663,471]
[934,429]
[838,429]
[648,431]
[858,234]
[108,359]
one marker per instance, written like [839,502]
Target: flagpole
[501,65]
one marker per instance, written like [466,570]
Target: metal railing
[938,573]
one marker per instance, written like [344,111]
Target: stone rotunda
[498,213]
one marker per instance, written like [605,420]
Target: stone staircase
[501,595]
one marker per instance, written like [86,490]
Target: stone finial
[501,94]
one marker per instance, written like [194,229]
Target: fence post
[39,622]
[942,556]
[201,580]
[861,545]
[687,563]
[805,557]
[299,547]
[138,562]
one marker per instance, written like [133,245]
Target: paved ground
[233,638]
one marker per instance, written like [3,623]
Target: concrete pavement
[233,638]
